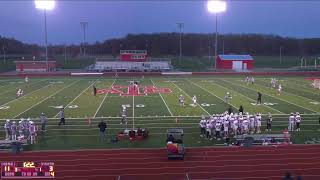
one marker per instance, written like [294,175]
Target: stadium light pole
[216,7]
[180,26]
[45,5]
[84,25]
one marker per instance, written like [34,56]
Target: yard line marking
[274,97]
[262,86]
[23,85]
[248,97]
[104,98]
[162,99]
[210,93]
[76,97]
[190,98]
[26,95]
[133,109]
[46,98]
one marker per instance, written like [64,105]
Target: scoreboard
[27,169]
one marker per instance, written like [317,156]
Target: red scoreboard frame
[27,169]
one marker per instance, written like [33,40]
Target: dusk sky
[110,18]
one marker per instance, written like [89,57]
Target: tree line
[167,44]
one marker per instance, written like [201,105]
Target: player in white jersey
[32,132]
[7,128]
[181,100]
[273,82]
[291,122]
[247,80]
[245,125]
[202,126]
[258,123]
[218,129]
[19,92]
[21,129]
[208,130]
[279,89]
[235,127]
[269,122]
[226,124]
[252,80]
[252,124]
[227,97]
[14,131]
[298,121]
[194,100]
[26,79]
[124,115]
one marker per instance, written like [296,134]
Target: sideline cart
[175,147]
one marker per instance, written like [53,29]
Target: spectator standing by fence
[102,130]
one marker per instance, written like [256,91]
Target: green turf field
[155,111]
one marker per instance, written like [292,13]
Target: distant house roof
[236,57]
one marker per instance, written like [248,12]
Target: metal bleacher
[122,66]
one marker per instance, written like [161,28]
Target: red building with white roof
[235,62]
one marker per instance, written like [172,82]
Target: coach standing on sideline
[102,128]
[43,121]
[61,114]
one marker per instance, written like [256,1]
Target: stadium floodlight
[216,6]
[45,5]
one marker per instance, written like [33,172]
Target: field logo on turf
[138,105]
[207,105]
[134,90]
[4,107]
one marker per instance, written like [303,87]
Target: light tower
[45,5]
[180,26]
[84,25]
[216,7]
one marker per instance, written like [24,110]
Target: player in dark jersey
[259,101]
[94,91]
[269,122]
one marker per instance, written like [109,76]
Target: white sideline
[46,98]
[163,99]
[104,98]
[191,98]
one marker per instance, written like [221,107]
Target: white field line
[162,99]
[46,98]
[104,98]
[273,97]
[76,97]
[289,93]
[26,95]
[22,85]
[211,93]
[191,98]
[247,97]
[160,117]
[133,110]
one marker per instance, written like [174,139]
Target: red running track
[200,163]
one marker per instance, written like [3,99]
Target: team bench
[11,145]
[258,139]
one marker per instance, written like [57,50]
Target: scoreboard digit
[27,169]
